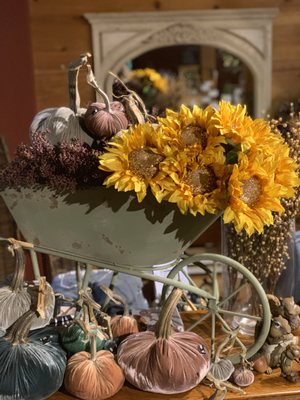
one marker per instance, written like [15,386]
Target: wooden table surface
[265,387]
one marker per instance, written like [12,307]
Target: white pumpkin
[59,124]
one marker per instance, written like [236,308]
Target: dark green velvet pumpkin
[75,337]
[32,365]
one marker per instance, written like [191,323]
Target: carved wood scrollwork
[246,33]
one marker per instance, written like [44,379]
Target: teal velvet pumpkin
[32,365]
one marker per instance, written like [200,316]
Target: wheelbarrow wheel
[223,296]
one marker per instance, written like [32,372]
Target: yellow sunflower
[272,144]
[133,159]
[195,187]
[264,139]
[253,193]
[233,122]
[156,79]
[286,172]
[193,128]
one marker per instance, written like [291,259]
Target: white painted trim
[246,33]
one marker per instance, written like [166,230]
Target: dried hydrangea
[64,166]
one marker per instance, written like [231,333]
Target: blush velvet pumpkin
[161,361]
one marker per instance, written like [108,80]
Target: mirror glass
[188,74]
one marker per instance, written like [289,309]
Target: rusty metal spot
[36,241]
[107,239]
[120,249]
[76,245]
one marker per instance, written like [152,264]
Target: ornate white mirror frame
[246,33]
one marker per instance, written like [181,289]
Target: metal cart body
[107,229]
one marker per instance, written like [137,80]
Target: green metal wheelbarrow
[110,229]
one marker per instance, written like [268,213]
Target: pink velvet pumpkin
[161,361]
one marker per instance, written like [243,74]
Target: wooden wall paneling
[53,89]
[17,103]
[286,86]
[286,53]
[73,8]
[60,34]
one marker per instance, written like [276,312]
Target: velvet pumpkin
[161,361]
[58,125]
[242,376]
[32,366]
[15,297]
[121,325]
[64,123]
[75,337]
[93,376]
[104,120]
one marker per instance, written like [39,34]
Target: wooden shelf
[265,387]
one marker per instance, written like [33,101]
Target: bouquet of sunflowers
[206,161]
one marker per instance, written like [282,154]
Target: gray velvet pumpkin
[58,125]
[64,123]
[16,298]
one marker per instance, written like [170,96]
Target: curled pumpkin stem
[116,298]
[73,81]
[85,298]
[132,103]
[92,81]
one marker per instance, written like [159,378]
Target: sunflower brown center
[251,191]
[202,180]
[194,135]
[144,163]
